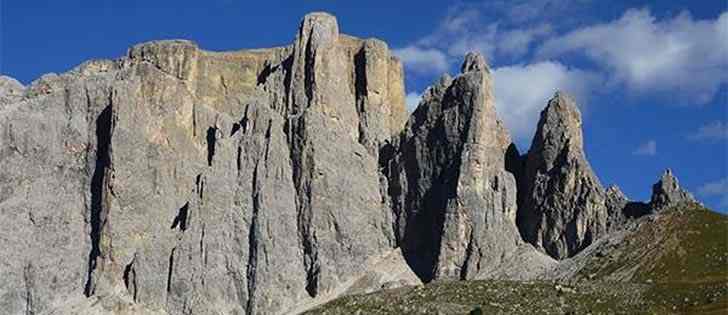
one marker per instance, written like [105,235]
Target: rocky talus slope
[175,180]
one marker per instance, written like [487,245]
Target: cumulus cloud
[522,91]
[716,188]
[516,42]
[648,148]
[677,54]
[422,60]
[412,100]
[471,27]
[518,12]
[716,130]
[531,46]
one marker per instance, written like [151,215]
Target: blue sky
[651,77]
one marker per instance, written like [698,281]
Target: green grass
[678,262]
[697,249]
[494,297]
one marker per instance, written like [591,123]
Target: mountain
[175,180]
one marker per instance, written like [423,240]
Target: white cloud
[716,188]
[423,60]
[412,100]
[528,10]
[516,42]
[679,54]
[648,148]
[522,91]
[675,56]
[471,27]
[716,130]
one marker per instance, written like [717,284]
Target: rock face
[667,192]
[454,201]
[10,90]
[562,203]
[188,181]
[47,152]
[620,210]
[615,202]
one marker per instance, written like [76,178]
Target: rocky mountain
[563,205]
[175,180]
[454,201]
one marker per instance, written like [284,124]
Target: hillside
[673,262]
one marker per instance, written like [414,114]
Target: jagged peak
[560,126]
[614,190]
[565,103]
[667,192]
[474,61]
[445,79]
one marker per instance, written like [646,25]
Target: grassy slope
[678,261]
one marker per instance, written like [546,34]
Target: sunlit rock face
[180,180]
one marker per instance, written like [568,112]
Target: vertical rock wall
[562,203]
[454,200]
[188,181]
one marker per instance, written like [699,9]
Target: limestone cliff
[562,203]
[455,203]
[188,181]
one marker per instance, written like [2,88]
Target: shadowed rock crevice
[29,285]
[242,124]
[129,277]
[636,209]
[360,92]
[170,270]
[200,186]
[211,141]
[99,207]
[253,236]
[181,219]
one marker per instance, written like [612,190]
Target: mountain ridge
[269,181]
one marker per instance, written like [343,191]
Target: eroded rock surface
[185,181]
[454,201]
[667,192]
[10,90]
[562,203]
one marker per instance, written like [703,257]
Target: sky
[651,78]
